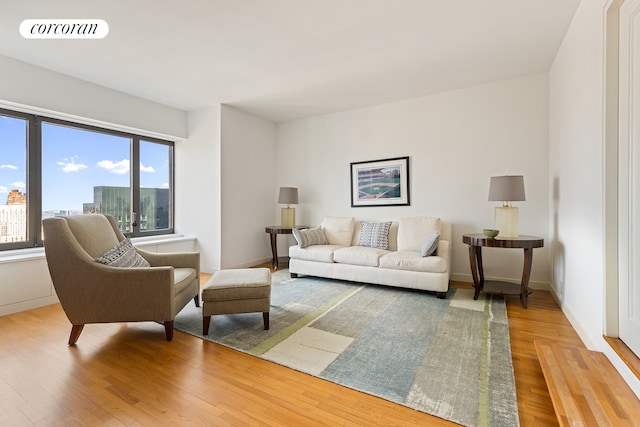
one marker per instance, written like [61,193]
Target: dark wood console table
[477,241]
[273,231]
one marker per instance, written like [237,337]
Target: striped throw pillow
[309,236]
[123,255]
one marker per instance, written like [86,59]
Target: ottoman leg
[206,320]
[265,318]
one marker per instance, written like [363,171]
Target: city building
[116,201]
[13,218]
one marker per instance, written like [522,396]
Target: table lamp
[288,196]
[506,189]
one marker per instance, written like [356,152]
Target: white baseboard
[468,278]
[28,305]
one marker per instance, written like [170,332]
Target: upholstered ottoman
[234,291]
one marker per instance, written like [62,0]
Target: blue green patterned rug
[450,358]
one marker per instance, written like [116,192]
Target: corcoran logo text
[64,29]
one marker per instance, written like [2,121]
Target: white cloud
[3,189]
[18,184]
[165,185]
[70,165]
[119,168]
[146,169]
[12,167]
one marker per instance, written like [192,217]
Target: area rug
[447,357]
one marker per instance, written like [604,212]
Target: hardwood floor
[127,374]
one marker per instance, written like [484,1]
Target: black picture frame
[383,182]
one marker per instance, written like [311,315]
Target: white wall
[456,141]
[197,174]
[64,97]
[248,185]
[576,171]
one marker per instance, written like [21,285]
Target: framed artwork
[380,182]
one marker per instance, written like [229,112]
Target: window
[76,169]
[155,186]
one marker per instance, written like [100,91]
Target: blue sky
[74,161]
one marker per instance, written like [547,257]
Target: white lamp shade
[288,196]
[508,188]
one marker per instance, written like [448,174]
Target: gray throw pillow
[123,255]
[430,244]
[310,236]
[375,234]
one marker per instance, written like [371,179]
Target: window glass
[155,186]
[85,171]
[13,179]
[51,167]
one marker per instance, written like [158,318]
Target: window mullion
[34,181]
[135,186]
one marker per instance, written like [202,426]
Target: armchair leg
[265,318]
[75,334]
[196,299]
[168,329]
[206,321]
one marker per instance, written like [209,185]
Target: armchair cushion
[123,254]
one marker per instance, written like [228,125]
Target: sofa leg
[168,329]
[265,318]
[441,295]
[294,275]
[196,300]
[75,334]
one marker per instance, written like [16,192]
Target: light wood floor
[127,374]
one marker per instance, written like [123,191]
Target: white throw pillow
[338,230]
[430,244]
[412,232]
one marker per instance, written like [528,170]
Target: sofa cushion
[430,244]
[318,253]
[338,230]
[414,261]
[413,231]
[309,237]
[359,255]
[375,234]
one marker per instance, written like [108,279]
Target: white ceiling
[286,59]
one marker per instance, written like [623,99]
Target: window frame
[34,176]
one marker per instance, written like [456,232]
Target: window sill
[30,254]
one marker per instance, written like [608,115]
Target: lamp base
[506,221]
[288,217]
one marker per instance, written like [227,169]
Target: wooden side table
[477,241]
[273,231]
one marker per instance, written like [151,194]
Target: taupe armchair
[91,292]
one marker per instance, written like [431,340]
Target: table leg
[477,271]
[274,250]
[526,273]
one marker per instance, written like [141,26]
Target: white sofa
[402,264]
